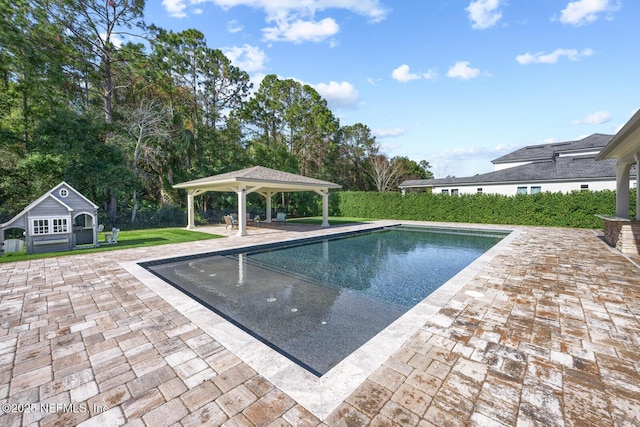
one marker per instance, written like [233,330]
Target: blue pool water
[318,301]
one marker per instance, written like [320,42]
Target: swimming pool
[316,301]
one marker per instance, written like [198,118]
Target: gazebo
[620,231]
[264,181]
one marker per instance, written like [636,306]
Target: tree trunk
[113,204]
[25,120]
[135,206]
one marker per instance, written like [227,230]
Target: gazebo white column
[242,211]
[325,206]
[190,215]
[268,195]
[622,190]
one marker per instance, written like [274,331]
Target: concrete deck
[543,331]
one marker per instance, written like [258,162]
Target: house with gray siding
[554,167]
[60,220]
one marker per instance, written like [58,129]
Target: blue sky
[457,83]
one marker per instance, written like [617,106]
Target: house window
[522,190]
[536,190]
[41,226]
[584,187]
[454,192]
[445,192]
[479,190]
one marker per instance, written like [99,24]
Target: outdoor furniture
[113,236]
[258,221]
[280,218]
[230,222]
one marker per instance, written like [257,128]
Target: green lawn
[126,240]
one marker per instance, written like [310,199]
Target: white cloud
[300,31]
[583,12]
[341,95]
[372,9]
[388,133]
[175,8]
[114,39]
[597,118]
[248,58]
[553,57]
[462,70]
[234,26]
[484,13]
[293,19]
[403,74]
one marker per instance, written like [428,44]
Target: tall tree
[385,172]
[224,87]
[413,170]
[357,144]
[31,64]
[177,55]
[287,113]
[96,29]
[147,128]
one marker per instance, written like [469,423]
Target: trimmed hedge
[576,209]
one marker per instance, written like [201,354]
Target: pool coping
[321,396]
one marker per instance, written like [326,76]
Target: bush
[576,209]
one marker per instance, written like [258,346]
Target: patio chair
[280,218]
[230,222]
[113,236]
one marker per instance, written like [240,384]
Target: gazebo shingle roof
[259,174]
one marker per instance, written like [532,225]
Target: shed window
[40,226]
[60,225]
[49,226]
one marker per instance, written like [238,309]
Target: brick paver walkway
[547,334]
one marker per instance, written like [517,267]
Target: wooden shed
[60,220]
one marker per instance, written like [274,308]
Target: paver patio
[547,333]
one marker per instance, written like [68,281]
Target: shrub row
[577,209]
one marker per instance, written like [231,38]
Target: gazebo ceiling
[258,177]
